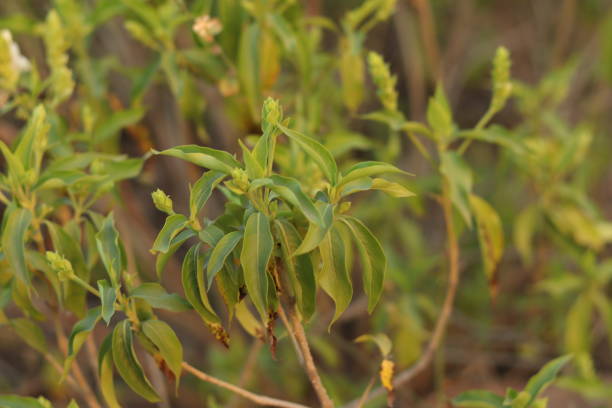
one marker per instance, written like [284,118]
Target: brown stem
[447,308]
[309,365]
[256,398]
[428,32]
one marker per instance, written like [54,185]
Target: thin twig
[256,398]
[309,365]
[428,33]
[453,276]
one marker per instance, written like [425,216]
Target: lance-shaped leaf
[172,227]
[16,401]
[257,248]
[440,116]
[108,295]
[168,344]
[127,364]
[156,296]
[373,260]
[116,122]
[490,234]
[78,335]
[16,226]
[478,399]
[105,372]
[459,177]
[249,67]
[204,157]
[316,151]
[163,257]
[290,190]
[201,191]
[219,254]
[33,142]
[253,167]
[299,268]
[368,169]
[109,248]
[334,276]
[191,276]
[316,233]
[545,377]
[31,333]
[389,187]
[381,340]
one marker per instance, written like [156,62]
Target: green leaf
[201,191]
[219,254]
[367,169]
[525,227]
[78,335]
[478,399]
[373,260]
[16,225]
[107,241]
[253,167]
[163,257]
[105,372]
[108,295]
[204,157]
[439,116]
[248,67]
[459,178]
[33,142]
[249,322]
[127,365]
[299,268]
[381,340]
[291,191]
[192,284]
[490,234]
[31,333]
[545,377]
[334,275]
[16,401]
[316,151]
[316,233]
[173,225]
[169,346]
[118,120]
[155,295]
[389,187]
[256,251]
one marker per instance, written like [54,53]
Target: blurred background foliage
[143,78]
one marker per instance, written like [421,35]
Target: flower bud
[271,114]
[162,202]
[385,82]
[60,265]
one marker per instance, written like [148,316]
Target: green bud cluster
[162,202]
[60,265]
[385,82]
[271,114]
[240,181]
[62,83]
[502,87]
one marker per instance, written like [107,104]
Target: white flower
[207,27]
[20,63]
